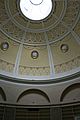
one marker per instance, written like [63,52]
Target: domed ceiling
[45,48]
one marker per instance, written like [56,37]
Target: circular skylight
[36,9]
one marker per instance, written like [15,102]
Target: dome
[39,49]
[39,59]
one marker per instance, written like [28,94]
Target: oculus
[64,48]
[36,9]
[4,46]
[34,54]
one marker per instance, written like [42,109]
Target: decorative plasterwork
[14,24]
[67,66]
[4,46]
[28,35]
[34,54]
[64,48]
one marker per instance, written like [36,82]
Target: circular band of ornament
[17,21]
[20,24]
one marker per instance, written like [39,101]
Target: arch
[2,93]
[32,91]
[68,89]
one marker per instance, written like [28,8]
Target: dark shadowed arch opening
[2,93]
[31,91]
[69,89]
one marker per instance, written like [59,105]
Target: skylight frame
[36,12]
